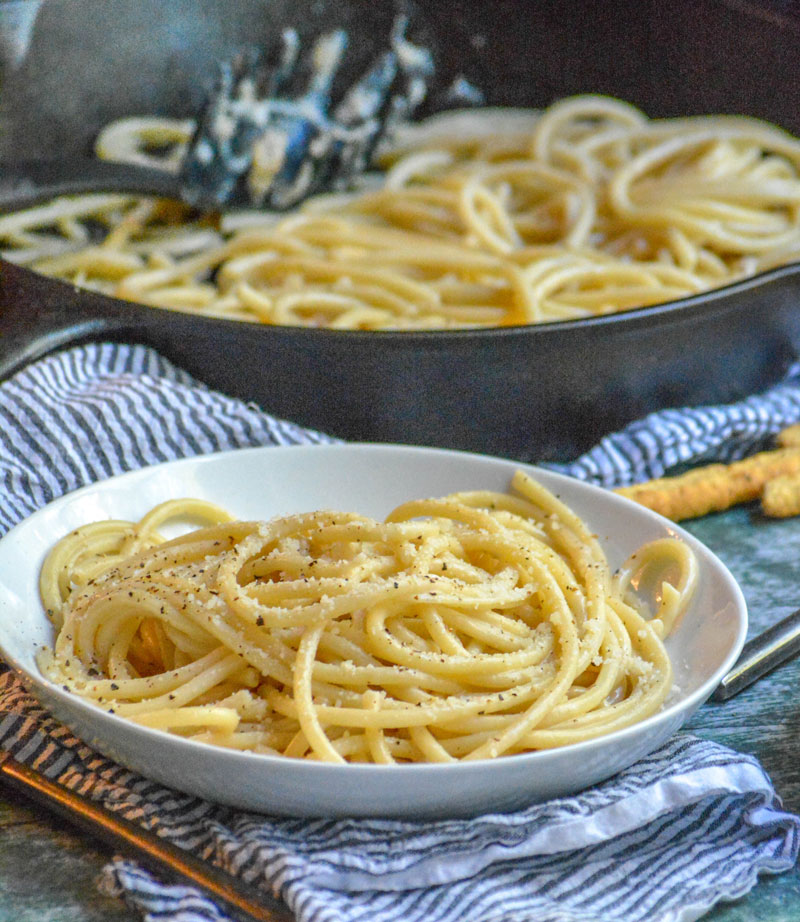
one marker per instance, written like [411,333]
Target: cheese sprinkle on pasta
[473,626]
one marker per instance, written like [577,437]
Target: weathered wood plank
[49,873]
[764,720]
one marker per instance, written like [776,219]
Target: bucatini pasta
[472,626]
[486,218]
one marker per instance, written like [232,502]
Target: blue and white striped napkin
[693,824]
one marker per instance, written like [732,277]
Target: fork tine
[283,69]
[398,85]
[326,57]
[416,69]
[356,125]
[368,95]
[390,90]
[305,126]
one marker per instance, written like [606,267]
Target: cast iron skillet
[543,392]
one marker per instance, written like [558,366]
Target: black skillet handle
[39,315]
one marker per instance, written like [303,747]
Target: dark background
[91,61]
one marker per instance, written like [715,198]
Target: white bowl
[370,479]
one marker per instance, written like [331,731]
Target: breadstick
[715,487]
[781,497]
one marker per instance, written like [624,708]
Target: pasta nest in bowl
[471,626]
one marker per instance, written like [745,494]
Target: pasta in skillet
[485,218]
[472,626]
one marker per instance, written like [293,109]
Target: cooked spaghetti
[473,626]
[486,218]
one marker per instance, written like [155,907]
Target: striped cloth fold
[651,446]
[692,824]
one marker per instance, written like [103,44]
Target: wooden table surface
[48,873]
